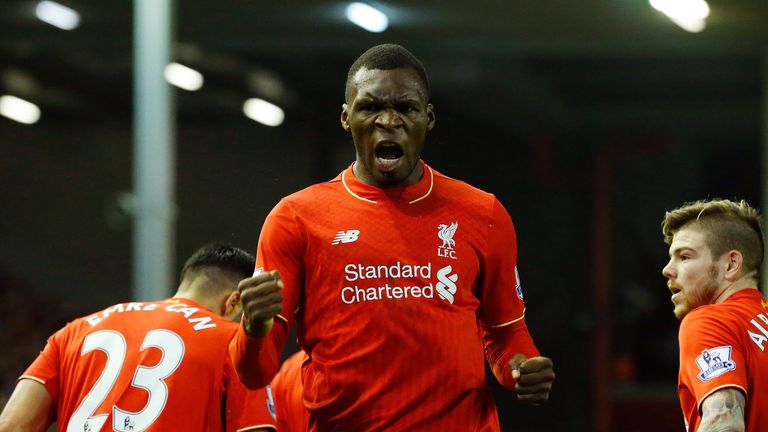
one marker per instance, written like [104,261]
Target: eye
[368,107]
[684,257]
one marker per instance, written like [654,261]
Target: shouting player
[399,278]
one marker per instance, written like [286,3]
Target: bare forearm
[723,411]
[29,409]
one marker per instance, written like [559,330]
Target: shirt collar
[402,194]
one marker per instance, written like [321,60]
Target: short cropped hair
[726,225]
[222,256]
[386,57]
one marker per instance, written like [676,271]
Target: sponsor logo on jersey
[518,285]
[410,285]
[714,362]
[446,233]
[446,285]
[346,236]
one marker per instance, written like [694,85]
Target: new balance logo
[346,236]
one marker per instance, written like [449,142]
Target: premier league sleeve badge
[714,362]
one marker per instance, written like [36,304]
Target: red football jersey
[287,393]
[154,366]
[393,291]
[723,345]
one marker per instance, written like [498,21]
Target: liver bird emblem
[446,234]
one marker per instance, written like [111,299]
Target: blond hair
[726,225]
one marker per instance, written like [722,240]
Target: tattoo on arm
[723,411]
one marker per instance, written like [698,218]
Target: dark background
[588,119]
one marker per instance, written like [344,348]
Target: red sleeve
[45,368]
[503,343]
[246,409]
[280,248]
[710,354]
[502,311]
[500,291]
[257,359]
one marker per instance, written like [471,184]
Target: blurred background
[588,119]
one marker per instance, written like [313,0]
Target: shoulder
[716,319]
[702,316]
[314,191]
[463,194]
[456,185]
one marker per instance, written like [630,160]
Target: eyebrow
[368,97]
[680,249]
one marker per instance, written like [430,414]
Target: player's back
[155,366]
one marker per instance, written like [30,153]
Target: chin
[390,178]
[681,311]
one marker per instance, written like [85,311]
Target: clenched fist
[262,300]
[534,378]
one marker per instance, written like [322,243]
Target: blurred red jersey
[154,366]
[723,345]
[395,292]
[287,393]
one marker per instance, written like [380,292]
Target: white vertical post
[154,166]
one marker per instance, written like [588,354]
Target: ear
[734,265]
[430,117]
[344,117]
[230,303]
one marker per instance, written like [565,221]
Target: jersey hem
[30,377]
[254,427]
[699,402]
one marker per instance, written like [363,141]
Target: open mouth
[388,156]
[388,151]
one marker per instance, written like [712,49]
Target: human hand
[262,300]
[534,378]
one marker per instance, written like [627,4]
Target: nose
[389,119]
[669,270]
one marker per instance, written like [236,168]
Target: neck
[732,288]
[194,290]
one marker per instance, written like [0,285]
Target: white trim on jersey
[30,377]
[429,191]
[344,182]
[724,386]
[431,182]
[510,322]
[254,427]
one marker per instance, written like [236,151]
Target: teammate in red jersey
[398,278]
[147,366]
[287,390]
[716,253]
